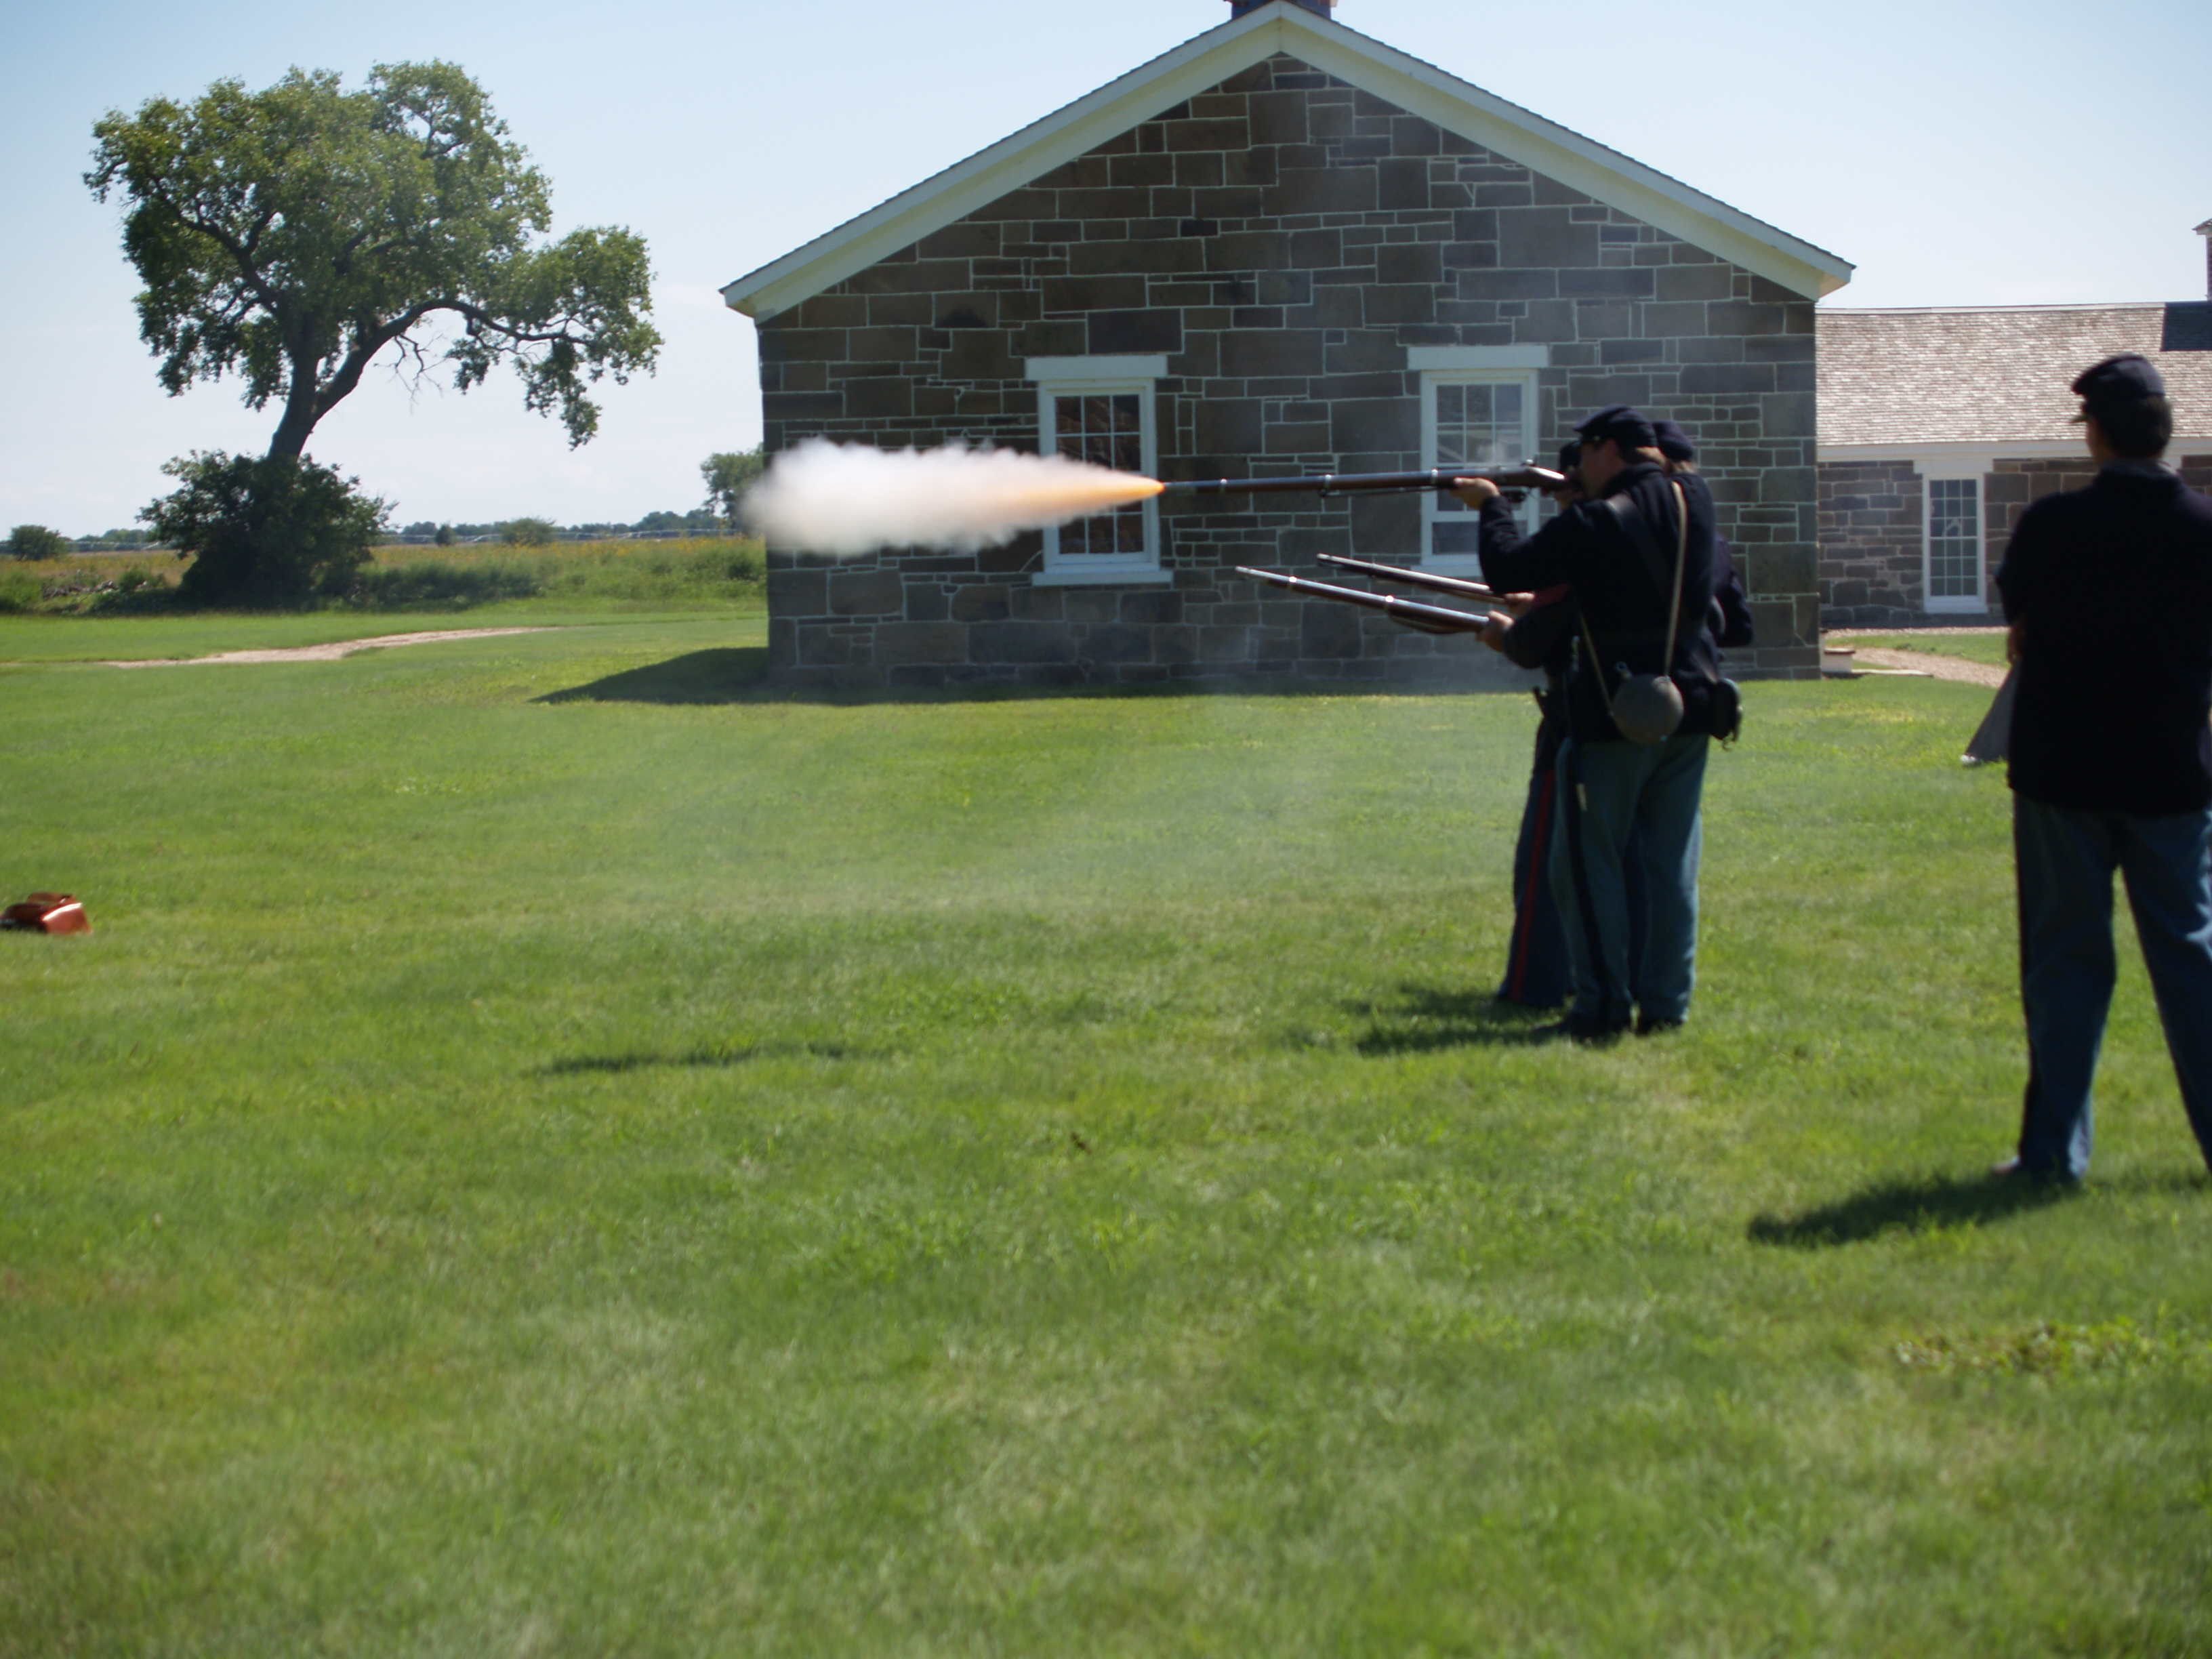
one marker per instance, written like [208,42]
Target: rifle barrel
[1398,573]
[1428,618]
[1527,475]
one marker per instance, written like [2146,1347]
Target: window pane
[1477,425]
[1107,430]
[1954,538]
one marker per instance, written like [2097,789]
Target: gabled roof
[1280,26]
[1994,375]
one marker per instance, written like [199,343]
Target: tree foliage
[729,477]
[267,530]
[35,541]
[288,236]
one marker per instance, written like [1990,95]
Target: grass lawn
[550,1151]
[1987,646]
[45,603]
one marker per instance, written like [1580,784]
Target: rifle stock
[1428,618]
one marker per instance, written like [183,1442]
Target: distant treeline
[111,540]
[516,532]
[543,533]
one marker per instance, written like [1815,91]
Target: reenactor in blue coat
[1638,556]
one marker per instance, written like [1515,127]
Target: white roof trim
[1210,59]
[1949,450]
[1981,311]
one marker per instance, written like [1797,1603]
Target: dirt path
[330,653]
[1924,662]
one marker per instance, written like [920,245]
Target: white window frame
[1977,603]
[1079,377]
[1443,366]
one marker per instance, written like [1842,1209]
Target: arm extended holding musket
[1428,618]
[1512,480]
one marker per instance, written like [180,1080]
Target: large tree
[289,235]
[728,476]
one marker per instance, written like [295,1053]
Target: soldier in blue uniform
[1639,557]
[1541,636]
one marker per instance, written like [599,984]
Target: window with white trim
[1471,417]
[1955,562]
[1102,409]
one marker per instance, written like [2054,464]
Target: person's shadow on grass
[1910,1205]
[696,677]
[1426,1017]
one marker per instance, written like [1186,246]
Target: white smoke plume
[844,499]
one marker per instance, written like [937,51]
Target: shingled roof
[1997,374]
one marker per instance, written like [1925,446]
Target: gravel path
[1924,662]
[330,653]
[1919,662]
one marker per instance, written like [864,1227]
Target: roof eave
[1207,60]
[1075,130]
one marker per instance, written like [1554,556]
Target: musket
[1399,573]
[1428,618]
[1525,477]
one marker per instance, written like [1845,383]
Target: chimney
[2205,231]
[1238,8]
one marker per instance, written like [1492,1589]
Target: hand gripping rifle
[1513,480]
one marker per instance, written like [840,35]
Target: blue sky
[1963,154]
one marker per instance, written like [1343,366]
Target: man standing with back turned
[2108,591]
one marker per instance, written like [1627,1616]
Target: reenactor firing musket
[1427,618]
[1513,480]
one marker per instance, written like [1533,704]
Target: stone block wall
[1283,240]
[1871,564]
[1873,567]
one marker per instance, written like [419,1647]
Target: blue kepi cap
[1624,425]
[2116,383]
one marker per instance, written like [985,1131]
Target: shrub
[19,592]
[435,582]
[529,532]
[269,531]
[35,541]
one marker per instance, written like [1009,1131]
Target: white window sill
[1124,577]
[1955,607]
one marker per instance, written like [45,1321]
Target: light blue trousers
[1612,791]
[2065,860]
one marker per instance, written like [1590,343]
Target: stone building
[1938,426]
[1283,247]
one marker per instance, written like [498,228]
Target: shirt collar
[1629,476]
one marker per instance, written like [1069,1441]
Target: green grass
[1983,648]
[551,1150]
[691,575]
